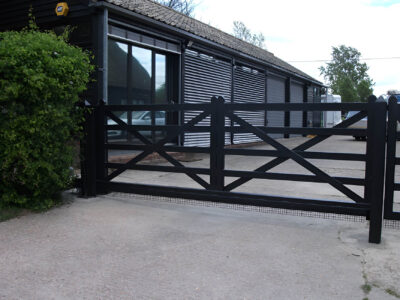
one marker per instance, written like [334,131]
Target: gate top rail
[297,106]
[157,107]
[243,107]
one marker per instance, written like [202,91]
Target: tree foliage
[242,32]
[41,77]
[347,76]
[183,6]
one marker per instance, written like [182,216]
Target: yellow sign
[62,9]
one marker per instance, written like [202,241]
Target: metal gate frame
[370,205]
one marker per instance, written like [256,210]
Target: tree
[183,6]
[347,76]
[242,32]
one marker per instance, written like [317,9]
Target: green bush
[41,77]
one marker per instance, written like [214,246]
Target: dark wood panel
[14,14]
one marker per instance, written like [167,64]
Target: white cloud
[306,30]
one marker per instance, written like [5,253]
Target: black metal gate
[370,204]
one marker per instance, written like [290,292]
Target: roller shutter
[275,94]
[296,96]
[249,87]
[204,77]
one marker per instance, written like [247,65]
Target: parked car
[386,97]
[138,118]
[362,124]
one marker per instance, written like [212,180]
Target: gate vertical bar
[375,166]
[217,144]
[390,157]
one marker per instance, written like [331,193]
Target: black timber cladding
[204,77]
[249,88]
[14,14]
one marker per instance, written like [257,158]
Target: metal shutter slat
[204,78]
[249,88]
[276,94]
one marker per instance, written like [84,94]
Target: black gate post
[88,163]
[101,154]
[217,144]
[375,166]
[390,157]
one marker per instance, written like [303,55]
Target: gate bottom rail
[323,206]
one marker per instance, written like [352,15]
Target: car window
[137,114]
[147,116]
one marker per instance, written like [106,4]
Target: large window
[138,75]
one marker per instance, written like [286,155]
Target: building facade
[147,53]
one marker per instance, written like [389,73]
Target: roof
[173,18]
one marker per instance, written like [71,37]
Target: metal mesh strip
[269,210]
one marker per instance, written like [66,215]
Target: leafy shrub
[41,77]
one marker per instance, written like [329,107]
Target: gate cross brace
[306,145]
[296,157]
[157,147]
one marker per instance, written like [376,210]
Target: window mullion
[153,91]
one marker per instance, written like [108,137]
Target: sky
[298,31]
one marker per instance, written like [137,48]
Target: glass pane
[141,75]
[160,92]
[117,134]
[160,85]
[117,72]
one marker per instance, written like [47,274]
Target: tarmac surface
[140,247]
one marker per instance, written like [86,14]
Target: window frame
[154,52]
[171,82]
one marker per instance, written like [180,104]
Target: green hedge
[41,77]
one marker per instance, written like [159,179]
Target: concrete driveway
[115,247]
[139,247]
